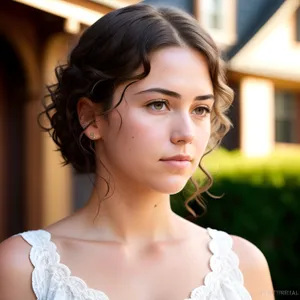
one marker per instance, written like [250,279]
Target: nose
[183,130]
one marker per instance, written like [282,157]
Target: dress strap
[36,238]
[52,280]
[43,250]
[225,280]
[225,262]
[43,255]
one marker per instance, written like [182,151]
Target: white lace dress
[52,280]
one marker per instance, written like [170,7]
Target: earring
[92,135]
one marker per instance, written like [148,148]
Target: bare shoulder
[255,269]
[15,270]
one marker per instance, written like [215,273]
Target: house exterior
[264,67]
[261,45]
[260,41]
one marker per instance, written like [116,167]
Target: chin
[171,185]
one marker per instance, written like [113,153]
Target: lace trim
[48,270]
[49,275]
[224,265]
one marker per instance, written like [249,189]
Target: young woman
[141,100]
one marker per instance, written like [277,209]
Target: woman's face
[164,115]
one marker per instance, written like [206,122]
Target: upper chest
[73,271]
[162,271]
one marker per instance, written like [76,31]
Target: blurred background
[258,167]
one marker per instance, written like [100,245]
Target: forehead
[178,68]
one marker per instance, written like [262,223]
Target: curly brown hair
[108,53]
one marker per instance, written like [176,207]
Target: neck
[132,216]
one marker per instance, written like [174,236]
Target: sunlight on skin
[171,118]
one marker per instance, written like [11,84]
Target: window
[214,11]
[216,14]
[218,17]
[285,117]
[298,25]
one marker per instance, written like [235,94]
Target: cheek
[131,132]
[203,135]
[201,144]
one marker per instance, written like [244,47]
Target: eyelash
[207,109]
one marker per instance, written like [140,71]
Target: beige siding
[273,51]
[257,116]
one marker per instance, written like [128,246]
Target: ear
[86,110]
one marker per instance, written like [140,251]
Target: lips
[177,163]
[178,158]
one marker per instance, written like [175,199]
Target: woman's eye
[157,105]
[202,111]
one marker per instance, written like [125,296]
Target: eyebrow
[174,94]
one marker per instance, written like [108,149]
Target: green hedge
[260,203]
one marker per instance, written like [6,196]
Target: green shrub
[260,203]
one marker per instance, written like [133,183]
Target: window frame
[227,35]
[282,116]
